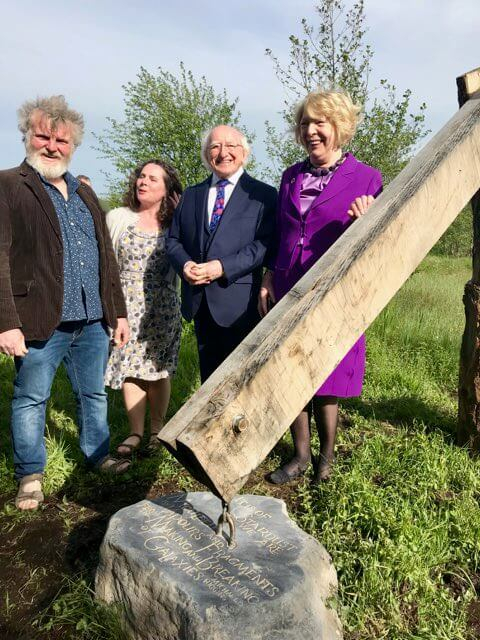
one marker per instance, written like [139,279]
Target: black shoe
[282,476]
[323,470]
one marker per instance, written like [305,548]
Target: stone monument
[176,579]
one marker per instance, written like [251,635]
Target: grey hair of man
[57,111]
[206,138]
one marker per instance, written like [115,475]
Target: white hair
[56,109]
[206,142]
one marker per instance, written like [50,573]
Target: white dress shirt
[212,192]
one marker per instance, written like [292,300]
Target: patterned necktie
[219,205]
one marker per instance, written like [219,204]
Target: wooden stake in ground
[468,432]
[234,420]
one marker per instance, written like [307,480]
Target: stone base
[177,580]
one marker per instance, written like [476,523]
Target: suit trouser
[83,348]
[215,342]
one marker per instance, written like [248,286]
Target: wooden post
[468,432]
[230,425]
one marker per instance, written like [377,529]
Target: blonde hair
[336,106]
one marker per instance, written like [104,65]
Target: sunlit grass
[401,515]
[76,608]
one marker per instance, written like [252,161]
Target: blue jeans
[83,347]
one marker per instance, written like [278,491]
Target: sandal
[154,443]
[282,476]
[23,495]
[130,447]
[113,466]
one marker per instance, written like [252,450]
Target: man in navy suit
[220,234]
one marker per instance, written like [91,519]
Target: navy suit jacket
[241,241]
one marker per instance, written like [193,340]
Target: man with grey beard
[59,292]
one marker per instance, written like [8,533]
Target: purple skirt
[346,380]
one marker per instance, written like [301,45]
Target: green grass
[76,608]
[413,348]
[401,515]
[65,461]
[457,240]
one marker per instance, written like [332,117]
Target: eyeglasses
[229,146]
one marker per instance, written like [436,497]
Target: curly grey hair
[57,111]
[206,141]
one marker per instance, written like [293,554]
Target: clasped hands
[202,273]
[266,295]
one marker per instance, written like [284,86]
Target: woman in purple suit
[319,199]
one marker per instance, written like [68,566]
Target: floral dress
[153,310]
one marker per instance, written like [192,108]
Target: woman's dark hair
[172,186]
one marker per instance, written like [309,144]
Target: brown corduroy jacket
[31,257]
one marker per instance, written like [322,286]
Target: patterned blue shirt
[81,279]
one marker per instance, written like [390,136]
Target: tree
[165,117]
[334,55]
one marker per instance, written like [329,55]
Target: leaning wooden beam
[230,425]
[468,85]
[468,430]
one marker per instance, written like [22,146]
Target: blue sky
[88,50]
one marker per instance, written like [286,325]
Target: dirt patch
[457,582]
[378,480]
[38,550]
[32,565]
[473,620]
[409,611]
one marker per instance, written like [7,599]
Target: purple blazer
[302,240]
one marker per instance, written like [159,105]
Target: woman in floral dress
[142,369]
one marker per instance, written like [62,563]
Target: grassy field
[400,517]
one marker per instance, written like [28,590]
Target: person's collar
[233,179]
[72,182]
[323,171]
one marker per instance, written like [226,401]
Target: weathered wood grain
[468,85]
[468,427]
[275,371]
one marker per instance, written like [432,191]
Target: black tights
[325,411]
